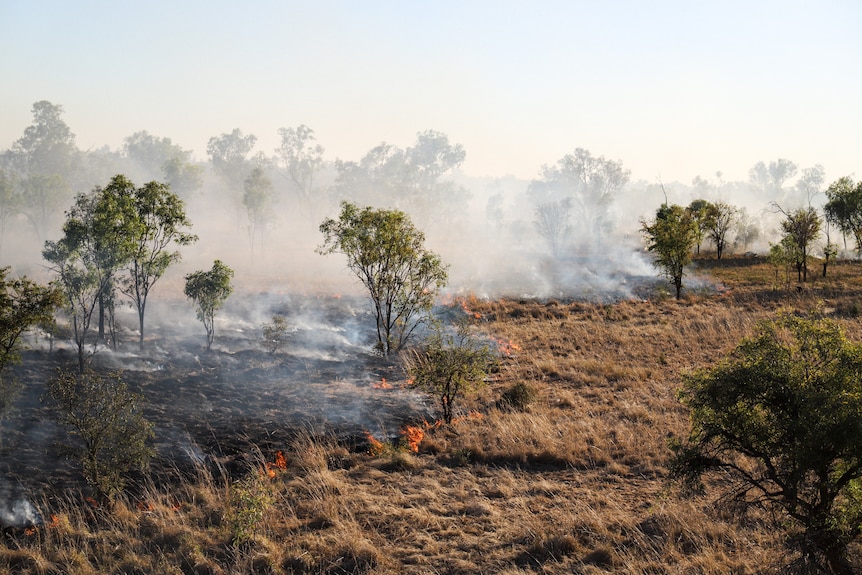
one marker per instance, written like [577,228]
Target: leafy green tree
[783,256]
[257,198]
[160,224]
[449,365]
[671,237]
[302,158]
[98,240]
[24,304]
[844,208]
[720,217]
[109,435]
[700,212]
[386,252]
[803,227]
[780,420]
[209,290]
[274,333]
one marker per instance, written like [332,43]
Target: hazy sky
[673,89]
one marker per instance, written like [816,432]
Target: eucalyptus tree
[98,240]
[592,184]
[719,221]
[671,236]
[257,198]
[387,253]
[553,222]
[161,225]
[844,208]
[209,289]
[302,159]
[802,226]
[45,161]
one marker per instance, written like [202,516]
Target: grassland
[574,483]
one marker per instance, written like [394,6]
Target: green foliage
[161,222]
[518,397]
[671,237]
[23,305]
[275,333]
[209,290]
[782,256]
[448,365]
[248,501]
[98,240]
[386,252]
[802,227]
[109,435]
[781,419]
[844,208]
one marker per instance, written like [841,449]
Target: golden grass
[574,483]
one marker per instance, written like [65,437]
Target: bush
[517,397]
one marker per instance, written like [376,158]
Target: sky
[673,89]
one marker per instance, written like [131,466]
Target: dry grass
[573,483]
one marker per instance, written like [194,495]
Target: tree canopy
[209,290]
[671,237]
[781,417]
[386,252]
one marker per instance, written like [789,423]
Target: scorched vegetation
[569,477]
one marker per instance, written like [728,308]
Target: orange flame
[506,347]
[413,435]
[280,463]
[93,503]
[55,521]
[375,447]
[144,506]
[30,531]
[381,384]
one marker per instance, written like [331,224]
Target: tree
[590,182]
[24,304]
[98,240]
[781,418]
[747,230]
[10,202]
[44,160]
[161,223]
[229,154]
[209,290]
[257,198]
[302,158]
[413,179]
[552,223]
[671,237]
[448,365]
[803,227]
[159,158]
[844,208]
[700,212]
[719,220]
[770,179]
[110,433]
[387,254]
[274,333]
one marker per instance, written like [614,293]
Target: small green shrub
[517,397]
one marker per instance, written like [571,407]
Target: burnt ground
[217,404]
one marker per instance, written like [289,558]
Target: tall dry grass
[573,482]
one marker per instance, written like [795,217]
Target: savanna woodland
[564,380]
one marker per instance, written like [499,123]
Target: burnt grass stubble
[220,408]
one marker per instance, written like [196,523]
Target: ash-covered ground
[215,405]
